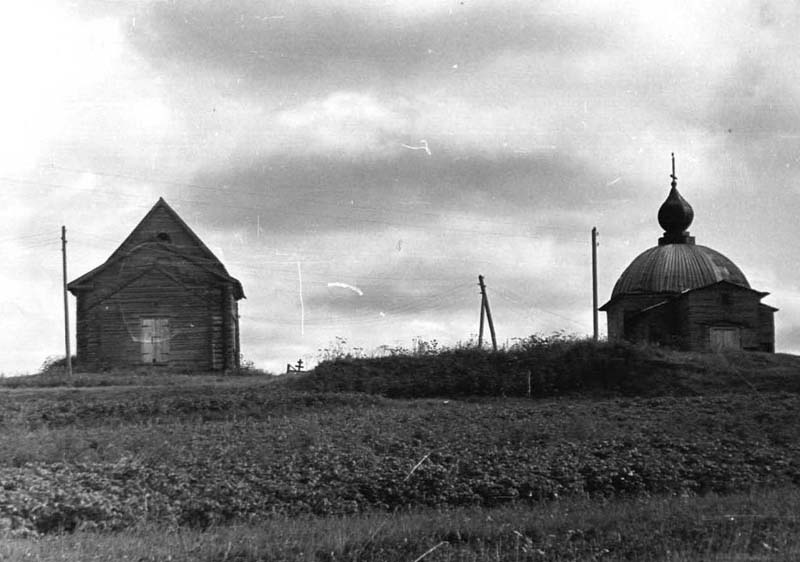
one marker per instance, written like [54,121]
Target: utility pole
[485,307]
[66,300]
[483,314]
[594,282]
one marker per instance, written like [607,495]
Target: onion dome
[677,263]
[675,215]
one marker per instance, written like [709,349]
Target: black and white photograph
[378,280]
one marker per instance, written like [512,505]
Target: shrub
[249,369]
[57,366]
[554,365]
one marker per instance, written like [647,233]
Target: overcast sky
[401,148]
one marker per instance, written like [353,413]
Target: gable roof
[196,252]
[761,294]
[730,285]
[673,297]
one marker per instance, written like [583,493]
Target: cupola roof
[674,268]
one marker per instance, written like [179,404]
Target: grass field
[154,466]
[740,527]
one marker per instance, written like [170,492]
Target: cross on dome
[672,175]
[675,215]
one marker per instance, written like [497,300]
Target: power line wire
[514,298]
[17,238]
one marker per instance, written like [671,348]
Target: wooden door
[155,340]
[724,338]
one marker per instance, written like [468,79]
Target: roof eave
[615,298]
[238,291]
[81,281]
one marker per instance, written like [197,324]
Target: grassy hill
[616,441]
[547,368]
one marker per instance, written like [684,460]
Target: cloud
[49,59]
[260,40]
[345,124]
[408,192]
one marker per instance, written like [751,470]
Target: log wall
[685,321]
[722,306]
[109,325]
[766,328]
[622,309]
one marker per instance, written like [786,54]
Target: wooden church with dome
[683,295]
